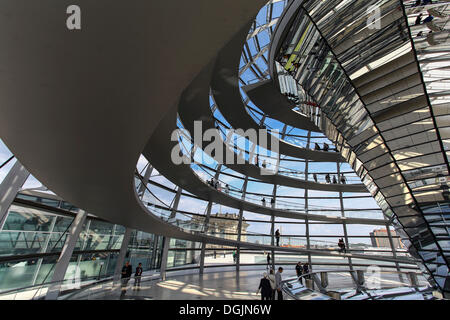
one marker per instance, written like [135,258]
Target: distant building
[380,239]
[223,225]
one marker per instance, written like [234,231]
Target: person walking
[138,276]
[277,236]
[265,287]
[125,276]
[273,283]
[299,271]
[278,281]
[234,256]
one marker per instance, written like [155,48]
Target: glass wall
[32,238]
[145,248]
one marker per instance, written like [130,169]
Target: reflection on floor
[215,284]
[211,286]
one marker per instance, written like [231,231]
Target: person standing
[278,281]
[340,245]
[273,283]
[137,276]
[299,271]
[266,289]
[306,270]
[418,19]
[125,276]
[277,236]
[263,201]
[268,260]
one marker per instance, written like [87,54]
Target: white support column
[9,187]
[166,243]
[208,214]
[241,212]
[202,252]
[66,254]
[147,174]
[164,257]
[122,254]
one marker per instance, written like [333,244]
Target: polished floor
[222,284]
[226,285]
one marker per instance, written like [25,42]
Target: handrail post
[413,279]
[358,278]
[318,282]
[309,283]
[324,279]
[360,274]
